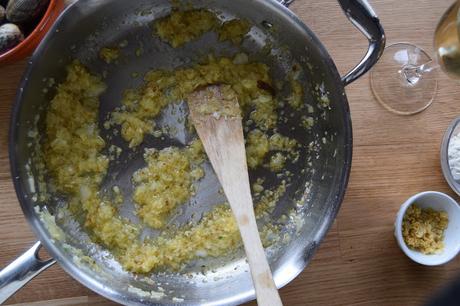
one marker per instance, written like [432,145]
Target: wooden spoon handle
[267,294]
[223,141]
[225,149]
[239,195]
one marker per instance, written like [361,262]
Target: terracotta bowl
[28,45]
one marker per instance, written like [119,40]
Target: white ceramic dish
[440,202]
[452,129]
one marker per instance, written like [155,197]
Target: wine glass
[404,79]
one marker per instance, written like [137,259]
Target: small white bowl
[439,202]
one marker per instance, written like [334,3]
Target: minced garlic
[234,30]
[109,55]
[73,151]
[166,182]
[183,26]
[423,229]
[163,87]
[180,27]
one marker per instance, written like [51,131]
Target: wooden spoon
[215,113]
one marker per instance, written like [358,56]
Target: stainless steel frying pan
[320,177]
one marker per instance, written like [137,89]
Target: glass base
[398,91]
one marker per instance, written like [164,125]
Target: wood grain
[394,157]
[223,141]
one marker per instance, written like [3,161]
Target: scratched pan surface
[319,177]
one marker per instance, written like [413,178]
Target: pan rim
[85,279]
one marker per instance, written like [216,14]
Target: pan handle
[21,271]
[363,17]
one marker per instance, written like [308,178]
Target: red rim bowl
[28,45]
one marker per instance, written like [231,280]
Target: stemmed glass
[404,79]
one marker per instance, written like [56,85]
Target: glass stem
[412,74]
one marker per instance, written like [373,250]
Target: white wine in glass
[404,79]
[447,41]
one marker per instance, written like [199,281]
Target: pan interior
[303,213]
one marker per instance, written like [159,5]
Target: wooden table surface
[394,157]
